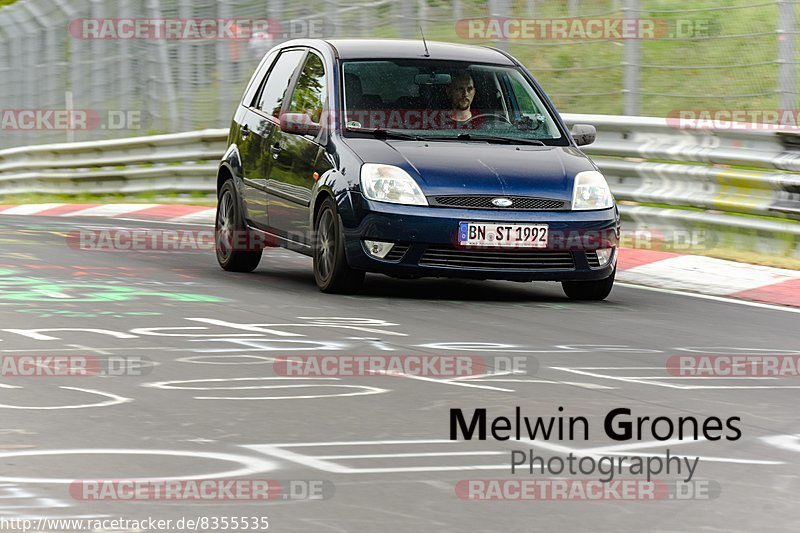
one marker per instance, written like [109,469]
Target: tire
[230,223]
[331,271]
[589,290]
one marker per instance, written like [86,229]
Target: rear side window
[257,81]
[310,92]
[274,91]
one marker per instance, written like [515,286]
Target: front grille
[486,259]
[593,260]
[519,203]
[397,252]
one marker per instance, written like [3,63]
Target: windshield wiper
[382,133]
[498,138]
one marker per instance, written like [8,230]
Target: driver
[461,92]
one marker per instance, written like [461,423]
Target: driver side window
[311,91]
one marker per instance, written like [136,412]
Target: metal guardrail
[741,187]
[182,162]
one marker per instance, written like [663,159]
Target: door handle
[275,150]
[245,131]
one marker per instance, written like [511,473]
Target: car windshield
[429,99]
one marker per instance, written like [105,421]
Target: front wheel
[228,230]
[331,271]
[589,290]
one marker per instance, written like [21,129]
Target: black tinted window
[309,95]
[274,91]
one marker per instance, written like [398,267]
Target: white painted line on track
[550,382]
[443,381]
[114,400]
[784,442]
[170,222]
[392,455]
[29,209]
[320,462]
[657,381]
[364,390]
[722,299]
[208,216]
[358,443]
[109,210]
[248,465]
[707,275]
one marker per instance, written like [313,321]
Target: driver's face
[461,92]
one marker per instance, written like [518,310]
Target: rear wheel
[589,290]
[331,271]
[228,230]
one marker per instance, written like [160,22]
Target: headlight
[591,191]
[387,183]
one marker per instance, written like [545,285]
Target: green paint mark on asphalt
[29,289]
[47,313]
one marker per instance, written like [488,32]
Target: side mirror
[299,123]
[583,134]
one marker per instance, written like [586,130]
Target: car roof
[414,49]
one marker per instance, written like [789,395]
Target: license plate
[503,235]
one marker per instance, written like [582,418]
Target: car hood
[472,167]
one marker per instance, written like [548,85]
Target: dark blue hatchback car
[412,159]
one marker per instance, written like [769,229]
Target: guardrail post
[407,19]
[5,66]
[226,78]
[15,62]
[499,9]
[365,22]
[332,9]
[185,62]
[787,73]
[458,11]
[23,56]
[44,57]
[572,8]
[126,84]
[422,14]
[631,60]
[70,79]
[100,68]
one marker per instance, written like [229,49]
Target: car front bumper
[427,242]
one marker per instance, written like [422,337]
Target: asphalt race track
[211,404]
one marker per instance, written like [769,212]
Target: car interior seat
[488,99]
[354,95]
